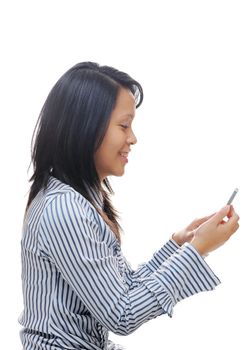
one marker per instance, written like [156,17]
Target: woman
[77,285]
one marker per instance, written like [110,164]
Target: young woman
[77,285]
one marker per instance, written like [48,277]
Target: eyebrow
[127,115]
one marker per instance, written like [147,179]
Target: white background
[190,57]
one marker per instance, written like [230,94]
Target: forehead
[125,104]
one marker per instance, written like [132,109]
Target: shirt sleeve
[146,269]
[89,266]
[183,274]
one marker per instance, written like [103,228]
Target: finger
[234,229]
[200,221]
[221,214]
[205,218]
[232,223]
[232,212]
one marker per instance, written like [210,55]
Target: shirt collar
[97,197]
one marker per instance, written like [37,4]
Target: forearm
[147,268]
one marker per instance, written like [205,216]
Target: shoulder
[67,210]
[63,198]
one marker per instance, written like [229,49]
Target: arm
[88,264]
[146,269]
[177,240]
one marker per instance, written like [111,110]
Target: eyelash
[125,126]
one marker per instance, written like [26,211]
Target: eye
[124,126]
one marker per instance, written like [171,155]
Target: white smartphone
[232,196]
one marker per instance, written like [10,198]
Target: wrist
[182,237]
[200,249]
[177,239]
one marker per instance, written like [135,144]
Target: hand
[187,234]
[215,231]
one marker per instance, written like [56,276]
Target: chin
[119,173]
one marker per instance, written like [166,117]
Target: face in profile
[112,155]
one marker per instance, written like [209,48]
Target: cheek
[115,141]
[112,144]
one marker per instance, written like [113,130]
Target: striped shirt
[78,286]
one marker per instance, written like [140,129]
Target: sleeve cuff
[161,255]
[183,274]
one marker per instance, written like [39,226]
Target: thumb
[219,216]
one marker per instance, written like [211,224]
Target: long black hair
[71,127]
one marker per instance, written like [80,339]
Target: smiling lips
[124,155]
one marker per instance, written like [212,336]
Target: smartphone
[232,196]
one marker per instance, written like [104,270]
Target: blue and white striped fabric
[77,285]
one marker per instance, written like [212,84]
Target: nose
[132,140]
